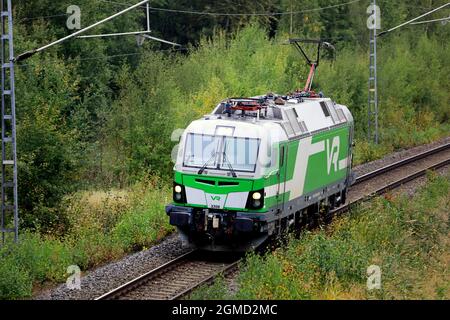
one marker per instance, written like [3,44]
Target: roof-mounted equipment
[314,64]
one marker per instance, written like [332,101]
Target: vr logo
[215,201]
[332,153]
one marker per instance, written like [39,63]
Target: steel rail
[400,163]
[391,186]
[141,280]
[180,261]
[137,282]
[224,271]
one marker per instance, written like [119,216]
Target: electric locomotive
[257,167]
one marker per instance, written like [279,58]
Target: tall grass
[103,226]
[406,237]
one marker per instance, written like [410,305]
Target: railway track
[175,279]
[179,277]
[394,175]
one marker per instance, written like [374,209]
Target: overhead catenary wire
[106,57]
[141,4]
[237,14]
[105,35]
[214,13]
[431,21]
[28,54]
[412,20]
[187,12]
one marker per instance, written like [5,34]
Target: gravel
[103,279]
[180,278]
[411,187]
[396,156]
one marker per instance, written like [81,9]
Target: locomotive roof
[297,116]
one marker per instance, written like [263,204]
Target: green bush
[146,223]
[15,282]
[44,258]
[407,238]
[33,260]
[216,291]
[103,227]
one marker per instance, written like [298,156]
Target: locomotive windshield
[221,152]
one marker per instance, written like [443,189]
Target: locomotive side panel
[315,168]
[330,164]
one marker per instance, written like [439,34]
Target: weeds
[103,227]
[406,237]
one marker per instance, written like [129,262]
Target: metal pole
[292,18]
[3,76]
[161,40]
[148,17]
[372,106]
[376,79]
[434,20]
[77,33]
[13,113]
[8,139]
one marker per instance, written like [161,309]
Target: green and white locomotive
[256,167]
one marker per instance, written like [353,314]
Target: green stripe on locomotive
[325,156]
[312,163]
[323,169]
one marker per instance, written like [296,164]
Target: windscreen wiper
[233,173]
[213,156]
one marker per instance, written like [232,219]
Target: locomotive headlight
[179,194]
[256,196]
[255,200]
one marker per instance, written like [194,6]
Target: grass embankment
[407,238]
[104,226]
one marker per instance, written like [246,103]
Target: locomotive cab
[219,199]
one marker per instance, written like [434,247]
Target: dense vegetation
[406,237]
[88,116]
[98,115]
[103,227]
